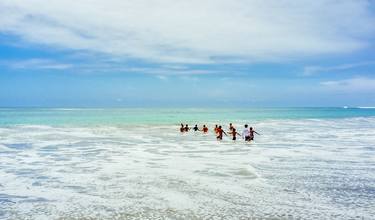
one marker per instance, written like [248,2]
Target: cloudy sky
[187,53]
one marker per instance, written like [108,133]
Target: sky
[196,53]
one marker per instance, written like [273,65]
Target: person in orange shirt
[220,133]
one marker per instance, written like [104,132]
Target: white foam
[308,169]
[367,107]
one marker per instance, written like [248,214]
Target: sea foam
[301,169]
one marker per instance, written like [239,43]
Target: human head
[204,126]
[246,125]
[220,126]
[251,128]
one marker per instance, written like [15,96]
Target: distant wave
[367,107]
[359,107]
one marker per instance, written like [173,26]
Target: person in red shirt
[216,129]
[204,129]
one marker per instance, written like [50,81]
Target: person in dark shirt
[234,134]
[252,133]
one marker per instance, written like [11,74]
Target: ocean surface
[308,163]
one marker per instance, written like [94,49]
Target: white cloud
[311,70]
[357,84]
[194,31]
[167,71]
[35,64]
[159,71]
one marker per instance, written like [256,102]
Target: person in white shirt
[246,133]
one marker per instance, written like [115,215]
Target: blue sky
[118,53]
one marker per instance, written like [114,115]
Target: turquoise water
[308,163]
[118,116]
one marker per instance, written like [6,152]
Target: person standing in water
[196,128]
[220,133]
[216,129]
[246,133]
[234,134]
[230,127]
[252,133]
[204,129]
[187,128]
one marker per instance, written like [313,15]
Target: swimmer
[196,128]
[186,128]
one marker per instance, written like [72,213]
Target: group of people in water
[247,133]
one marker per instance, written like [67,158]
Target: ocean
[133,163]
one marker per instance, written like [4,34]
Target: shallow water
[297,169]
[167,116]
